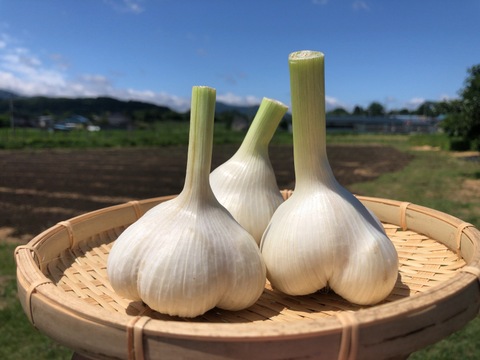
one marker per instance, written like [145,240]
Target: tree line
[464,123]
[27,110]
[460,118]
[427,108]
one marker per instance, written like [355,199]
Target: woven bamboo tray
[65,293]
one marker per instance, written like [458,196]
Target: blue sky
[399,53]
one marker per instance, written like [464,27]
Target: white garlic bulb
[322,235]
[246,184]
[188,255]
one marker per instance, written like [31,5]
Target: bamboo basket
[66,295]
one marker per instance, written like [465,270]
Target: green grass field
[161,134]
[18,339]
[434,179]
[437,180]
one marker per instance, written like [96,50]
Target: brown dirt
[40,188]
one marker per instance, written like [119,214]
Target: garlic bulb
[246,184]
[188,255]
[322,235]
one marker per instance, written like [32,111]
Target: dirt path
[40,188]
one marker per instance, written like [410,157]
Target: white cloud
[360,5]
[160,98]
[60,61]
[26,74]
[332,103]
[95,81]
[233,99]
[4,40]
[414,103]
[20,60]
[127,6]
[134,6]
[446,97]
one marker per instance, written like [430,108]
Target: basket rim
[368,316]
[40,288]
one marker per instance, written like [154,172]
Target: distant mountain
[39,105]
[4,94]
[249,111]
[60,107]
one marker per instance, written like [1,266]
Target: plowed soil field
[39,188]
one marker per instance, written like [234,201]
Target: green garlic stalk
[187,255]
[323,235]
[246,184]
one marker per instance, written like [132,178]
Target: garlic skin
[187,255]
[320,238]
[246,184]
[323,235]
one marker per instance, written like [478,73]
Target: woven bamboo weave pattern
[424,263]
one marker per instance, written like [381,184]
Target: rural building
[403,124]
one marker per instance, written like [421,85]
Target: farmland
[39,188]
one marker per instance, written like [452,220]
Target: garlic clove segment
[323,235]
[188,255]
[246,184]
